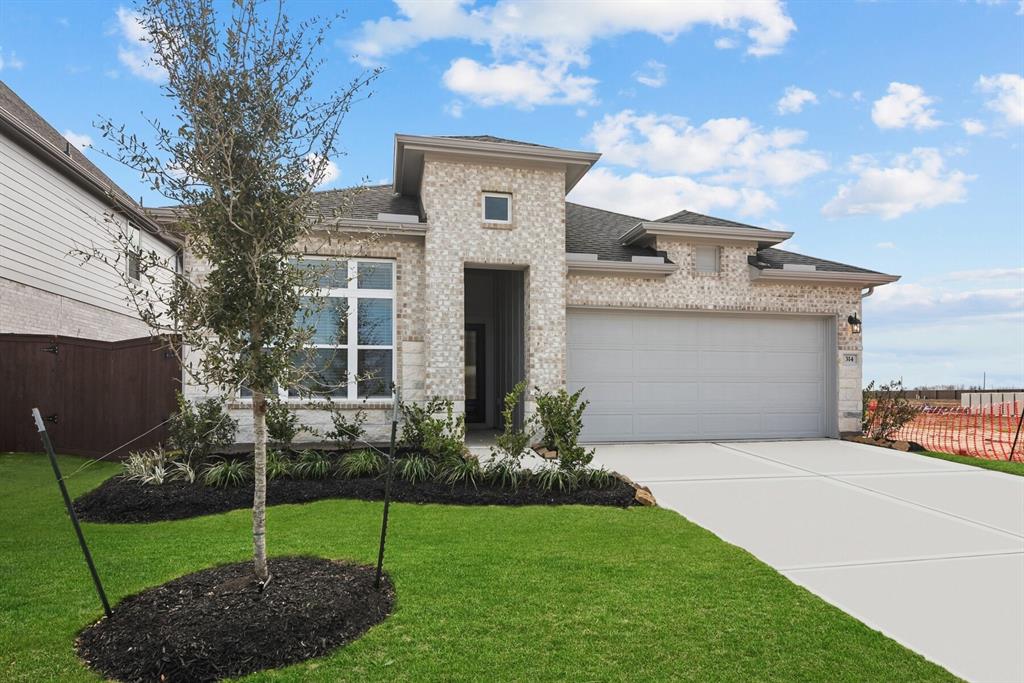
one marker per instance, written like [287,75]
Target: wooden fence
[94,395]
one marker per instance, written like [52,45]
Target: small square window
[497,208]
[708,259]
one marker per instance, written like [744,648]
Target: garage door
[694,376]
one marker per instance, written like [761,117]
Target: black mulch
[117,500]
[216,624]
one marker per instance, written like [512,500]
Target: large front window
[352,352]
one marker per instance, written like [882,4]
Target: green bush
[506,474]
[891,410]
[314,465]
[282,423]
[182,471]
[433,429]
[225,473]
[198,428]
[561,416]
[461,469]
[554,478]
[415,468]
[347,431]
[364,463]
[279,465]
[150,467]
[511,444]
[595,478]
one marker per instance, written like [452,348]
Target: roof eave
[370,225]
[622,268]
[87,181]
[647,230]
[577,163]
[822,277]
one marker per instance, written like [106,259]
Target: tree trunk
[259,499]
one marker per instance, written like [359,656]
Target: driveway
[929,552]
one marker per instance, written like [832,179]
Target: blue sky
[887,135]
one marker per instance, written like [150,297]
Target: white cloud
[522,84]
[905,105]
[1007,99]
[932,302]
[886,245]
[988,274]
[735,149]
[546,44]
[135,52]
[454,109]
[79,140]
[10,61]
[646,196]
[857,96]
[729,43]
[973,126]
[652,75]
[794,99]
[331,172]
[911,182]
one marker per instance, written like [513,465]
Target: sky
[888,135]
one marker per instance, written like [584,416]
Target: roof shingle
[365,202]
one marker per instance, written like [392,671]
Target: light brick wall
[28,310]
[451,193]
[733,290]
[408,254]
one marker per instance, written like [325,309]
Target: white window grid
[352,294]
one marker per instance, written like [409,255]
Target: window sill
[498,226]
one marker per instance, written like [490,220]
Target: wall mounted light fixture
[855,324]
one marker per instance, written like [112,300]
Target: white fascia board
[820,277]
[370,225]
[622,268]
[646,231]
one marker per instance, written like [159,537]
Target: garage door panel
[669,376]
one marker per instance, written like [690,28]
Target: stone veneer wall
[451,193]
[28,310]
[732,290]
[407,253]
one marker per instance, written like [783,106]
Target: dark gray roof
[694,218]
[28,117]
[595,231]
[776,258]
[365,202]
[491,138]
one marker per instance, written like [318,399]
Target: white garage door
[680,376]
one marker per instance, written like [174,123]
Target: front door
[476,411]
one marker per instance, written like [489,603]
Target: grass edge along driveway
[1015,467]
[532,593]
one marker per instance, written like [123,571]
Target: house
[471,271]
[55,200]
[70,343]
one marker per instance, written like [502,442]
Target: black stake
[388,476]
[1016,436]
[71,508]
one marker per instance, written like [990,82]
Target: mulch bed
[117,500]
[216,623]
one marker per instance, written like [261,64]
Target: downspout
[868,292]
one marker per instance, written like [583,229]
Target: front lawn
[483,593]
[1014,467]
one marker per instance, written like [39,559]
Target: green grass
[484,593]
[1015,467]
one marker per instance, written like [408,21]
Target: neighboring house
[479,273]
[53,200]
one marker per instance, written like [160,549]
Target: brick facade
[28,310]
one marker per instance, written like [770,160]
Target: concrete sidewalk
[929,552]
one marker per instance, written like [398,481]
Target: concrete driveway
[929,552]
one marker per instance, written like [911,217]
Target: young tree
[249,142]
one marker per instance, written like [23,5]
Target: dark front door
[476,406]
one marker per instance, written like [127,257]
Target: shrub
[200,427]
[347,431]
[595,478]
[225,473]
[150,467]
[506,474]
[314,465]
[182,471]
[553,477]
[461,469]
[513,441]
[433,429]
[279,465]
[891,409]
[364,463]
[561,416]
[282,423]
[572,457]
[415,468]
